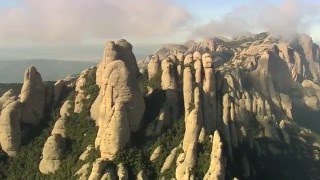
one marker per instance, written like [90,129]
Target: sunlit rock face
[120,101]
[10,134]
[32,97]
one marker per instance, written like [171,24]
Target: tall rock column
[188,85]
[169,84]
[186,161]
[153,66]
[32,97]
[10,134]
[122,105]
[226,104]
[180,58]
[80,97]
[110,54]
[121,50]
[209,99]
[217,164]
[198,67]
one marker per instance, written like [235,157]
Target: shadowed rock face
[32,97]
[272,66]
[310,53]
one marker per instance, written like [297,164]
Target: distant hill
[12,71]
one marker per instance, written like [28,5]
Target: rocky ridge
[209,110]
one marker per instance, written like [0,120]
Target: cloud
[284,18]
[77,21]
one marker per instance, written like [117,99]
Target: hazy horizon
[78,29]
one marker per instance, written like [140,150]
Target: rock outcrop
[57,90]
[32,97]
[122,104]
[10,134]
[80,97]
[217,163]
[153,66]
[52,154]
[7,95]
[122,172]
[97,169]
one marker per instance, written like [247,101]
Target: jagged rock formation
[122,172]
[57,90]
[81,81]
[142,176]
[156,153]
[122,105]
[217,163]
[186,163]
[209,100]
[153,66]
[7,95]
[168,163]
[169,49]
[10,134]
[108,174]
[117,133]
[238,99]
[83,172]
[52,154]
[97,169]
[32,97]
[85,154]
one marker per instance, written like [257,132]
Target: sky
[78,29]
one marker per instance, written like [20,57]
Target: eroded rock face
[271,65]
[32,97]
[142,175]
[305,46]
[83,172]
[10,134]
[156,153]
[97,169]
[57,90]
[7,95]
[121,102]
[86,153]
[117,133]
[193,122]
[52,154]
[109,174]
[153,66]
[65,108]
[119,106]
[311,95]
[168,163]
[209,101]
[59,127]
[122,172]
[168,79]
[169,84]
[122,94]
[80,97]
[186,163]
[217,164]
